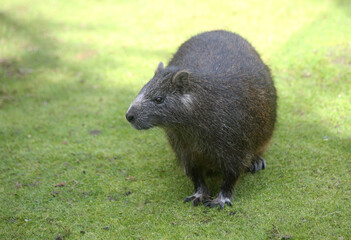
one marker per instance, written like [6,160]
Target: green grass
[68,68]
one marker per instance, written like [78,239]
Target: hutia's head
[165,100]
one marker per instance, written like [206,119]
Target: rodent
[217,103]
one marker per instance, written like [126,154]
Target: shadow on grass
[40,48]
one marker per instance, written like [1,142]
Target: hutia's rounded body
[216,102]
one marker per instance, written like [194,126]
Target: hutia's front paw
[197,198]
[220,201]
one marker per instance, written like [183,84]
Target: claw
[188,199]
[196,201]
[197,198]
[264,164]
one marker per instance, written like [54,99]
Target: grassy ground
[71,166]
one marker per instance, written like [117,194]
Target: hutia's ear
[181,80]
[159,67]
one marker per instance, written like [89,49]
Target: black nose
[130,117]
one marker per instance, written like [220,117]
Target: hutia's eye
[159,100]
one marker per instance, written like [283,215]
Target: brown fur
[218,109]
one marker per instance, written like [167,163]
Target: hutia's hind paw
[257,164]
[197,198]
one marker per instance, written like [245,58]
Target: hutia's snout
[133,116]
[130,116]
